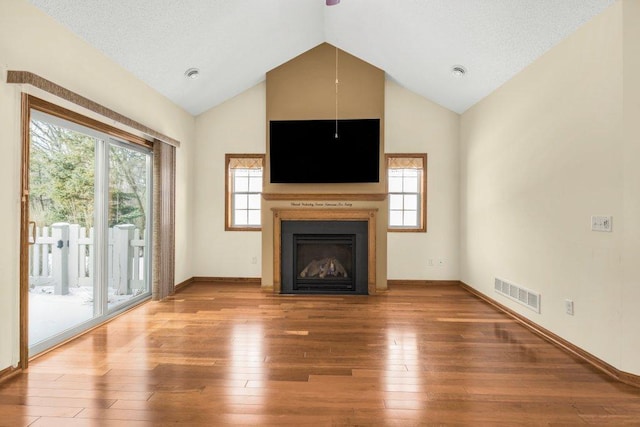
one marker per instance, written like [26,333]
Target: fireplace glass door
[324,262]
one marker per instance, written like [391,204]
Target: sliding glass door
[62,196]
[89,216]
[128,205]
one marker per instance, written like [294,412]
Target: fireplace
[330,221]
[324,257]
[323,262]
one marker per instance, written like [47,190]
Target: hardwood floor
[234,355]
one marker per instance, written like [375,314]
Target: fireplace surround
[337,244]
[324,257]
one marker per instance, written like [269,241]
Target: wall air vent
[517,293]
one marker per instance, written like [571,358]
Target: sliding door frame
[29,103]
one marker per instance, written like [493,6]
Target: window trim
[422,226]
[228,215]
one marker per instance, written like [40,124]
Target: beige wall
[414,124]
[236,126]
[541,155]
[630,317]
[304,88]
[31,41]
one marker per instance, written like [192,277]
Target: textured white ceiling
[235,42]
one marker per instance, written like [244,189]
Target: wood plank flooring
[235,355]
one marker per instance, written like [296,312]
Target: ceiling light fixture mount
[332,2]
[458,70]
[192,73]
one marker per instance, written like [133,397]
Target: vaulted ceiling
[235,42]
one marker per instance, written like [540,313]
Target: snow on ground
[51,314]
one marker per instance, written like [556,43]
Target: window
[243,191]
[407,186]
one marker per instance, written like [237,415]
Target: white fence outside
[63,256]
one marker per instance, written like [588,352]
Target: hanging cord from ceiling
[337,82]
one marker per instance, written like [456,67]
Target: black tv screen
[308,151]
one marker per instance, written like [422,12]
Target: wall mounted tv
[308,152]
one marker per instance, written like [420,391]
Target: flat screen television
[308,151]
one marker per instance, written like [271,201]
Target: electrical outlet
[601,223]
[568,307]
[430,262]
[254,260]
